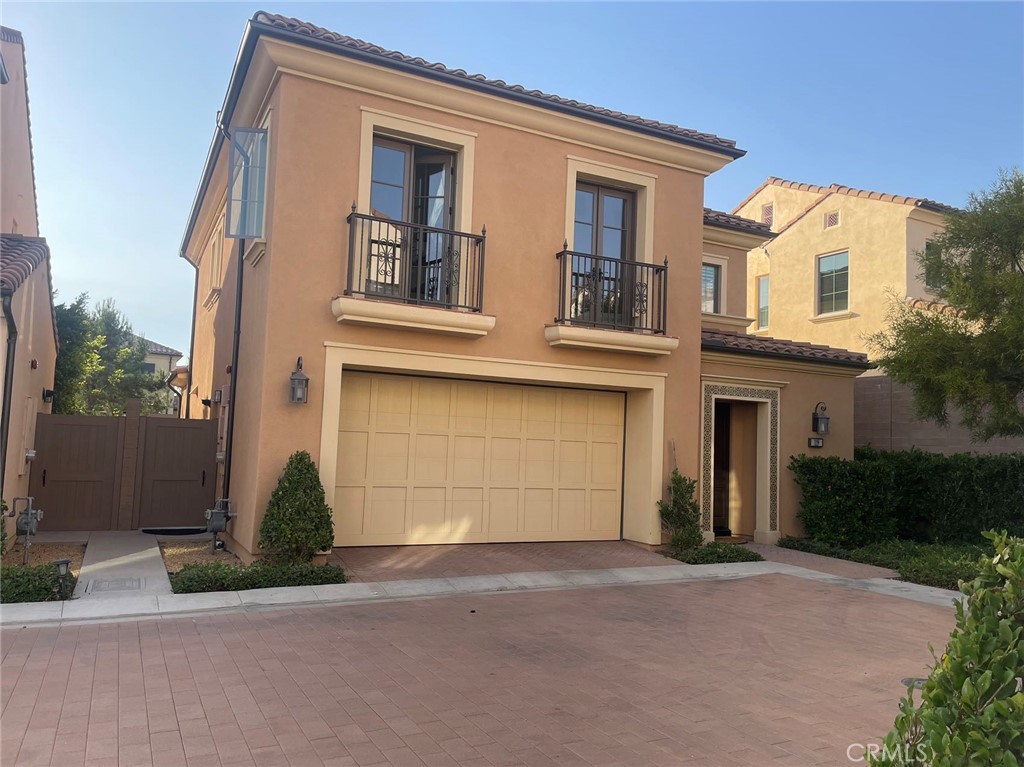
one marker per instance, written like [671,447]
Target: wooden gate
[107,473]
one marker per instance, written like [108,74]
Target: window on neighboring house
[834,283]
[711,289]
[412,183]
[768,214]
[932,278]
[831,219]
[762,302]
[148,367]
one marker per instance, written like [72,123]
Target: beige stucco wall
[17,188]
[875,235]
[789,203]
[801,387]
[922,226]
[32,314]
[314,166]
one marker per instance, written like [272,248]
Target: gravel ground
[179,553]
[46,553]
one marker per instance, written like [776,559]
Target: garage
[432,460]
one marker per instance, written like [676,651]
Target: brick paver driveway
[768,670]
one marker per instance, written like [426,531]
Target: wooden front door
[178,472]
[76,473]
[723,469]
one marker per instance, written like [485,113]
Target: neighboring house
[164,361]
[547,396]
[838,259]
[28,339]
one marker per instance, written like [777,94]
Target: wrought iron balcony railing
[415,264]
[611,293]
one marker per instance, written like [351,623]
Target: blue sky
[923,99]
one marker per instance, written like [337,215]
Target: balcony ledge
[387,314]
[599,339]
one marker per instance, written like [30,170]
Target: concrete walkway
[164,605]
[124,565]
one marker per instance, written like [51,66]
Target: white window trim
[594,171]
[757,301]
[723,280]
[462,142]
[849,285]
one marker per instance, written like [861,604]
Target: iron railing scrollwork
[415,264]
[611,293]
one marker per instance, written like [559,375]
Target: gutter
[5,416]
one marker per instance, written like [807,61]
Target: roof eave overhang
[798,358]
[735,237]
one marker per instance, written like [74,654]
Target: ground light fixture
[63,568]
[299,385]
[820,421]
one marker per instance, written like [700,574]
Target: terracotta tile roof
[917,202]
[20,256]
[763,346]
[738,223]
[927,305]
[344,43]
[154,348]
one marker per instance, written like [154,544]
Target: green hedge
[716,553]
[32,583]
[220,576]
[910,495]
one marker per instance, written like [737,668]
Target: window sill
[599,339]
[831,316]
[728,320]
[212,297]
[386,314]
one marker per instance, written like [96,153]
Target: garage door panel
[436,461]
[390,457]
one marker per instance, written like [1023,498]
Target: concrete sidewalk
[166,605]
[122,565]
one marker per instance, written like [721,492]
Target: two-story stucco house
[838,260]
[28,338]
[163,361]
[514,315]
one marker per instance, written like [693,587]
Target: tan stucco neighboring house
[163,361]
[838,259]
[497,298]
[28,339]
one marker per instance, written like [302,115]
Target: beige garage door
[425,460]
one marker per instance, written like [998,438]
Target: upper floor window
[762,302]
[834,283]
[832,219]
[148,367]
[932,279]
[604,222]
[215,252]
[768,214]
[413,184]
[711,289]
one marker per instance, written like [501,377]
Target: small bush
[681,513]
[972,704]
[32,583]
[930,564]
[298,522]
[221,576]
[716,553]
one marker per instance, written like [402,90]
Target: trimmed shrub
[930,564]
[221,576]
[298,521]
[32,583]
[716,553]
[681,513]
[845,503]
[972,704]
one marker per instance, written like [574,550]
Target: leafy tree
[971,356]
[78,358]
[100,362]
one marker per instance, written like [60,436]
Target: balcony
[603,300]
[421,277]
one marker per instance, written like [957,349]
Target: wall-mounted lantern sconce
[218,395]
[299,384]
[47,395]
[820,421]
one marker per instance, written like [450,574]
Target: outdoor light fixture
[299,384]
[819,421]
[47,395]
[63,567]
